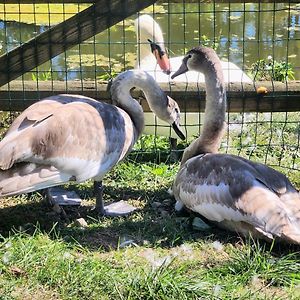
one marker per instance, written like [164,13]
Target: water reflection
[244,33]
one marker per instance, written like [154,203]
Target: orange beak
[161,57]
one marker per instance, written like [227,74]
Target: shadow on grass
[148,226]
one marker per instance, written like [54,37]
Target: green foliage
[272,70]
[6,119]
[106,76]
[41,76]
[47,265]
[205,41]
[168,260]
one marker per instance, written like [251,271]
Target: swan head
[173,116]
[147,30]
[163,106]
[198,59]
[169,112]
[161,57]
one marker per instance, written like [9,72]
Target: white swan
[235,193]
[74,138]
[146,28]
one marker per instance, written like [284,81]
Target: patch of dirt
[36,293]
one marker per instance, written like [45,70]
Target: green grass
[43,255]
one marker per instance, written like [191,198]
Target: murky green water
[244,33]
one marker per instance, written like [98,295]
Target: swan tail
[273,216]
[29,177]
[285,221]
[291,232]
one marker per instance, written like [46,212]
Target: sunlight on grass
[67,270]
[153,253]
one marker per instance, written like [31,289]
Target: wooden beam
[18,95]
[96,18]
[159,1]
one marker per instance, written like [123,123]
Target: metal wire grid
[234,29]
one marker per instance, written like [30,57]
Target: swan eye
[189,56]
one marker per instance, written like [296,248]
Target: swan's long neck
[120,92]
[214,115]
[145,58]
[146,28]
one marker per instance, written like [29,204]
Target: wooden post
[96,18]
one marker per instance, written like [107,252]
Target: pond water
[242,33]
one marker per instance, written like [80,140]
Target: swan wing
[273,179]
[83,139]
[29,177]
[42,109]
[227,190]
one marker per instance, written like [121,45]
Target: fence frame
[102,14]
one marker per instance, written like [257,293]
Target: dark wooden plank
[241,97]
[98,17]
[159,1]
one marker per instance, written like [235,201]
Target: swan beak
[163,62]
[178,131]
[182,69]
[161,57]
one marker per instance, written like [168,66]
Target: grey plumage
[234,193]
[74,138]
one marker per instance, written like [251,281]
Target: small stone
[186,248]
[179,206]
[146,243]
[217,289]
[81,222]
[255,280]
[60,196]
[126,242]
[167,201]
[6,258]
[164,213]
[200,225]
[170,192]
[217,246]
[118,209]
[155,204]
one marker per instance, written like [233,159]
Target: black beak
[178,131]
[182,69]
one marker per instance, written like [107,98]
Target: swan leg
[116,209]
[174,156]
[98,190]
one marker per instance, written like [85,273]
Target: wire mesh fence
[255,41]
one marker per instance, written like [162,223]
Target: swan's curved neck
[120,92]
[146,28]
[214,116]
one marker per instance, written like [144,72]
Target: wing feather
[77,135]
[232,191]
